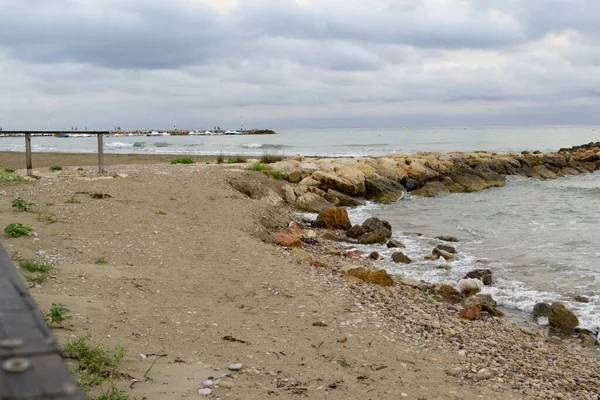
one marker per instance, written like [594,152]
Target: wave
[118,145]
[139,144]
[264,146]
[162,144]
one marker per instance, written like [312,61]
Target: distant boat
[234,132]
[63,135]
[154,133]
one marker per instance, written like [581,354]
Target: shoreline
[191,260]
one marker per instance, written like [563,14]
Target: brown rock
[356,231]
[472,183]
[395,243]
[400,257]
[562,318]
[321,264]
[379,277]
[377,236]
[449,249]
[471,311]
[442,253]
[287,239]
[447,238]
[374,256]
[335,218]
[448,293]
[352,278]
[588,340]
[352,254]
[295,229]
[431,189]
[312,202]
[345,200]
[484,275]
[302,255]
[487,304]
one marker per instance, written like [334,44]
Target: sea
[540,238]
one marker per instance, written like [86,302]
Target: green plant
[96,362]
[262,167]
[37,278]
[220,158]
[79,169]
[100,261]
[8,175]
[20,204]
[206,162]
[72,200]
[57,315]
[46,216]
[34,266]
[112,394]
[268,158]
[17,229]
[159,212]
[276,174]
[82,192]
[55,168]
[237,159]
[182,160]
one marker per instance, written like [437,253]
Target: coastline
[227,253]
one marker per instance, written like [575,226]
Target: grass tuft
[220,158]
[100,261]
[72,200]
[258,167]
[269,158]
[46,216]
[182,160]
[237,159]
[35,266]
[8,175]
[112,394]
[56,168]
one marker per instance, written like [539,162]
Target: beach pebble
[205,391]
[207,382]
[227,384]
[435,325]
[235,367]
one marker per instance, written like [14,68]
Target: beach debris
[395,243]
[379,277]
[400,257]
[97,195]
[471,311]
[484,275]
[232,339]
[235,366]
[562,318]
[469,287]
[335,218]
[319,323]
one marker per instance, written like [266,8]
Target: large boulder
[541,171]
[388,168]
[471,183]
[346,180]
[400,257]
[541,310]
[395,243]
[312,202]
[346,200]
[452,186]
[378,277]
[305,185]
[287,239]
[375,223]
[471,311]
[447,293]
[335,218]
[442,253]
[492,178]
[383,190]
[376,236]
[431,189]
[562,318]
[445,247]
[484,275]
[356,231]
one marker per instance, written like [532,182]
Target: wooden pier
[28,134]
[31,362]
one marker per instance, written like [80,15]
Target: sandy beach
[192,275]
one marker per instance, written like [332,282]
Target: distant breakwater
[323,182]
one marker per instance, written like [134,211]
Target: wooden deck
[31,362]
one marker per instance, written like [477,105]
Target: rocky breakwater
[321,183]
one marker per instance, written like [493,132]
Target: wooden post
[100,153]
[28,161]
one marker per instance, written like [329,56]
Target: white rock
[205,391]
[207,382]
[466,285]
[235,367]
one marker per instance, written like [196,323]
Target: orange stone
[472,311]
[287,239]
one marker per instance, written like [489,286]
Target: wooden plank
[28,162]
[101,153]
[31,363]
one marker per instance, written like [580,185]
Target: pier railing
[31,362]
[28,134]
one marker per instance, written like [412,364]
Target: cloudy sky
[298,63]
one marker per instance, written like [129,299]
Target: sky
[194,64]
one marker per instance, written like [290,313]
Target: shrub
[96,363]
[34,266]
[237,159]
[7,176]
[100,261]
[55,168]
[79,169]
[268,158]
[9,170]
[220,158]
[57,315]
[20,204]
[17,229]
[182,160]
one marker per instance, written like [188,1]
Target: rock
[588,340]
[448,332]
[447,238]
[562,318]
[352,255]
[302,255]
[411,184]
[541,310]
[345,200]
[469,286]
[379,277]
[446,267]
[377,236]
[227,384]
[356,231]
[383,190]
[471,311]
[235,367]
[395,243]
[294,228]
[207,383]
[581,299]
[287,239]
[374,256]
[312,202]
[321,264]
[205,391]
[290,196]
[400,257]
[449,249]
[484,275]
[487,304]
[352,278]
[374,223]
[352,181]
[448,293]
[472,183]
[335,218]
[442,253]
[431,189]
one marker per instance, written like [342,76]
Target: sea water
[541,239]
